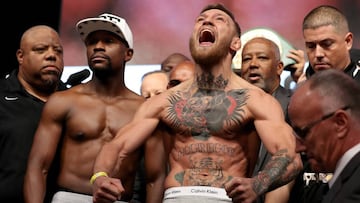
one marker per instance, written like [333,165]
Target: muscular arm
[43,151]
[285,163]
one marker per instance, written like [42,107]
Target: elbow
[298,163]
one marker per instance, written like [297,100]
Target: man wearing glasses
[327,129]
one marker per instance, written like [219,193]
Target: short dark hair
[221,7]
[326,15]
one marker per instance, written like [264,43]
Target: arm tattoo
[274,173]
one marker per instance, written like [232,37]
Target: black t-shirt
[19,116]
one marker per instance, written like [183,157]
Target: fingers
[297,55]
[235,187]
[298,68]
[240,190]
[107,190]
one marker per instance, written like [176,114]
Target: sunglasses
[301,133]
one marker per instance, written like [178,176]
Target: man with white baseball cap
[80,120]
[107,22]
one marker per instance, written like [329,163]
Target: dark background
[20,15]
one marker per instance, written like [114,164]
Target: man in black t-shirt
[22,96]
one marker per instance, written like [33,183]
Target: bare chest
[203,115]
[95,119]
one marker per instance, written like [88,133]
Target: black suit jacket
[346,188]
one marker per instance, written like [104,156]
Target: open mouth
[254,76]
[206,37]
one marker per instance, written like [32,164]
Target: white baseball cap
[107,22]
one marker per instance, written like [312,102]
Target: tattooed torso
[202,115]
[213,132]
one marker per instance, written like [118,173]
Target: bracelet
[96,175]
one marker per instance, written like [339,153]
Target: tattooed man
[213,123]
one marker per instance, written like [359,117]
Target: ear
[342,123]
[20,56]
[349,40]
[280,68]
[129,54]
[236,44]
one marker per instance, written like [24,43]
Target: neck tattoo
[208,82]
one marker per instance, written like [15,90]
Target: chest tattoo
[207,112]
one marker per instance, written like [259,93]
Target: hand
[241,190]
[297,72]
[107,190]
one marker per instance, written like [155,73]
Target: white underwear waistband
[218,193]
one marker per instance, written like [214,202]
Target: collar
[348,70]
[12,83]
[344,160]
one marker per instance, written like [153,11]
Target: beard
[102,72]
[208,56]
[47,83]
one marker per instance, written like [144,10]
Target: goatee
[206,56]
